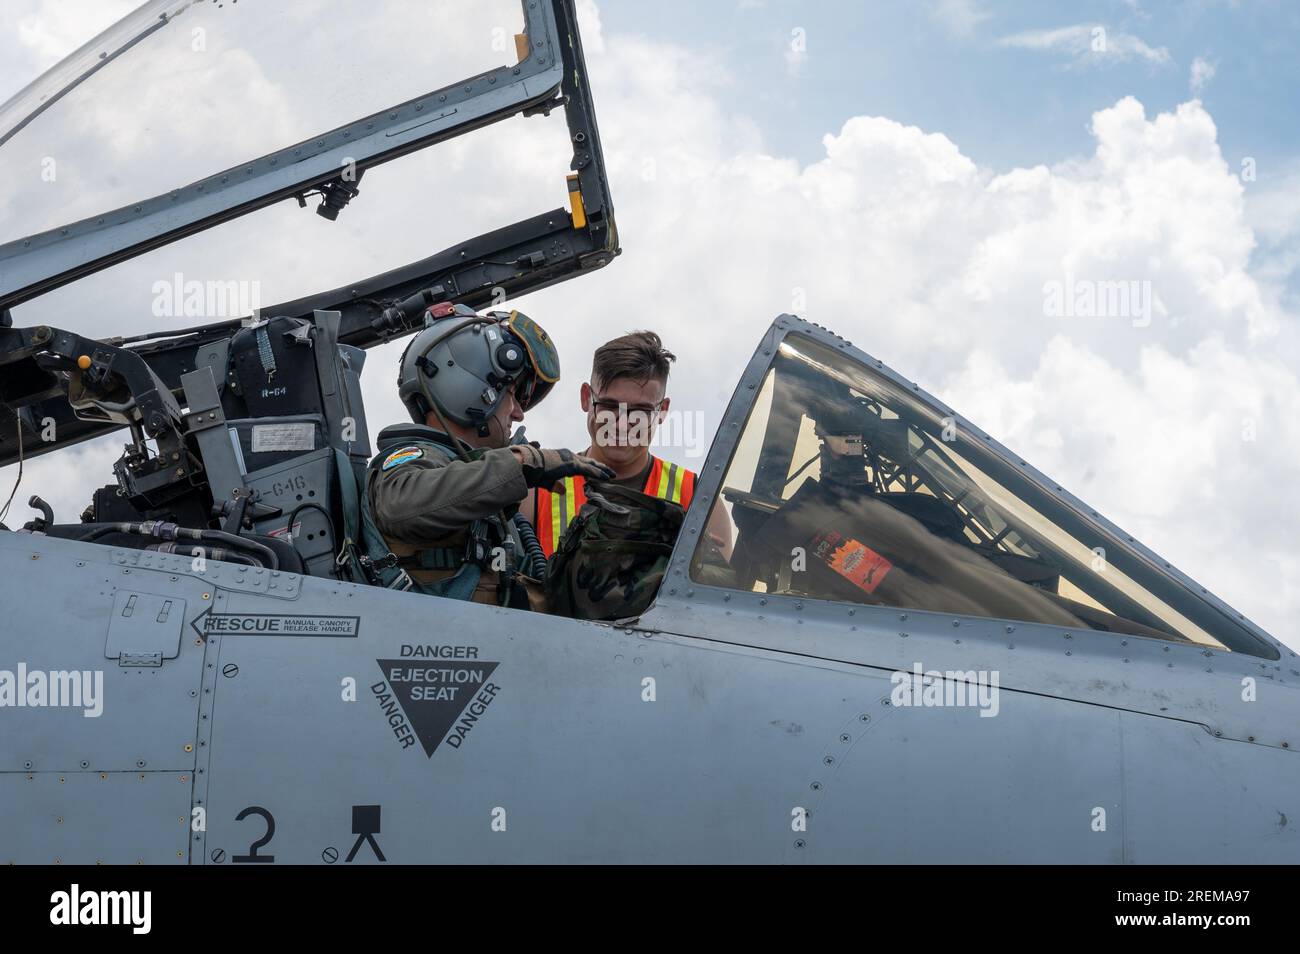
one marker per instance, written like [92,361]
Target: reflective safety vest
[556,510]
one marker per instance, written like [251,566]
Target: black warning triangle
[444,690]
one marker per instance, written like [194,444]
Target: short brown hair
[639,355]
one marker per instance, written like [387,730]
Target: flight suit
[437,512]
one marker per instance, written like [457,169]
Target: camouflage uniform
[612,559]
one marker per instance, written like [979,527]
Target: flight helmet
[461,363]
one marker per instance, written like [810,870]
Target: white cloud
[53,28]
[796,51]
[1088,44]
[900,242]
[958,17]
[1202,72]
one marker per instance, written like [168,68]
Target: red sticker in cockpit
[853,560]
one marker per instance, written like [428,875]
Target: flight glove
[544,467]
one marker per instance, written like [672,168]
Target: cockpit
[848,485]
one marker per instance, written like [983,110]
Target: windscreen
[848,486]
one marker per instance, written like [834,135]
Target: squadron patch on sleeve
[401,456]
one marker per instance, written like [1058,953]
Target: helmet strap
[482,423]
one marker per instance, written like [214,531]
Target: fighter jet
[917,647]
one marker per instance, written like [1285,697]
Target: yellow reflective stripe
[664,474]
[571,511]
[678,477]
[556,526]
[670,484]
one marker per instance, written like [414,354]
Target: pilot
[444,490]
[624,400]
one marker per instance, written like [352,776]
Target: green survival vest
[612,558]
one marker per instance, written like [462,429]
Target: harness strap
[434,558]
[361,538]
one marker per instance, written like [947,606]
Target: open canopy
[379,111]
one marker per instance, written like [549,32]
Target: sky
[920,177]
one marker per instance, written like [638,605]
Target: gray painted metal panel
[1195,799]
[1142,675]
[583,766]
[144,624]
[61,622]
[114,818]
[946,785]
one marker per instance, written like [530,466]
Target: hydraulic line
[166,531]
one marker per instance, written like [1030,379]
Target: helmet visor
[542,356]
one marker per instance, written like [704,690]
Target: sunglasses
[634,413]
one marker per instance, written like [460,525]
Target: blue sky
[973,70]
[1007,106]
